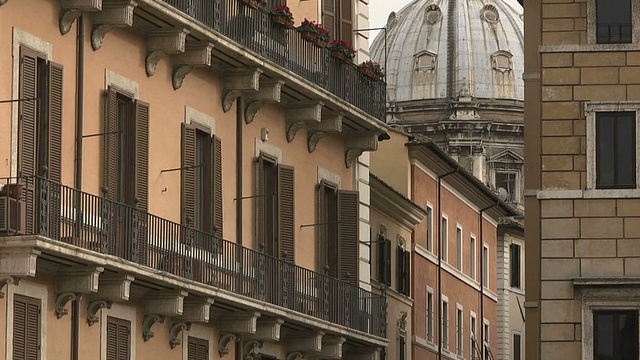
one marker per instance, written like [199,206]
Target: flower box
[282,20]
[308,36]
[369,73]
[320,42]
[337,54]
[342,51]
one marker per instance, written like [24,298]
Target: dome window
[433,14]
[490,14]
[425,61]
[501,61]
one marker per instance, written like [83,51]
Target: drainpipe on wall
[239,164]
[440,327]
[75,309]
[482,279]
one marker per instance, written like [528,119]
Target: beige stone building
[185,179]
[581,120]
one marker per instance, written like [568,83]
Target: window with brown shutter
[384,260]
[118,339]
[197,349]
[348,235]
[403,270]
[26,328]
[337,17]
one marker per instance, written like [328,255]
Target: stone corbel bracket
[331,347]
[148,321]
[269,92]
[92,310]
[118,13]
[194,55]
[238,81]
[18,261]
[304,343]
[197,310]
[302,114]
[267,330]
[163,42]
[224,341]
[169,303]
[331,123]
[115,288]
[70,10]
[251,348]
[357,144]
[71,283]
[241,324]
[8,281]
[176,328]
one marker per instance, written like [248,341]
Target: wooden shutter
[27,112]
[321,230]
[346,21]
[260,200]
[216,176]
[26,328]
[197,349]
[188,174]
[407,273]
[286,211]
[387,262]
[400,269]
[118,339]
[55,122]
[329,17]
[111,140]
[348,234]
[142,155]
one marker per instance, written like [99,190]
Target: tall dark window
[613,21]
[384,260]
[515,265]
[615,334]
[403,348]
[517,343]
[337,18]
[403,270]
[429,228]
[118,339]
[615,150]
[506,181]
[197,349]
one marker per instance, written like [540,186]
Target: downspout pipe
[75,308]
[440,258]
[482,278]
[239,165]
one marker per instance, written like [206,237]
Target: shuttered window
[275,200]
[384,260]
[337,17]
[202,184]
[26,328]
[348,234]
[198,349]
[118,339]
[403,270]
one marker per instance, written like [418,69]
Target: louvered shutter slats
[111,140]
[260,200]
[197,349]
[346,22]
[123,342]
[142,155]
[112,341]
[286,204]
[329,17]
[28,110]
[33,330]
[387,266]
[217,184]
[118,339]
[19,330]
[55,122]
[321,230]
[26,328]
[348,234]
[188,174]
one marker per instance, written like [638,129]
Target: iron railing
[36,206]
[253,29]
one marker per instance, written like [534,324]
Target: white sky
[379,11]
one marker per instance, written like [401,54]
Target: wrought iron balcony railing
[253,29]
[35,206]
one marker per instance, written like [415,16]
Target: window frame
[511,266]
[485,266]
[459,247]
[444,238]
[429,225]
[459,330]
[513,347]
[430,314]
[473,324]
[591,111]
[472,257]
[444,322]
[33,290]
[592,28]
[124,312]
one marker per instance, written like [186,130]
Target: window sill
[589,47]
[611,193]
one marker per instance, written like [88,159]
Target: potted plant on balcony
[371,70]
[322,38]
[308,30]
[282,15]
[342,51]
[254,3]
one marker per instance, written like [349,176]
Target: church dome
[439,49]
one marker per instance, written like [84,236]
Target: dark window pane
[516,347]
[626,154]
[615,150]
[613,21]
[615,335]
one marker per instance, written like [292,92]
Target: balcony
[253,29]
[35,206]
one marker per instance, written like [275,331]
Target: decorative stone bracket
[169,303]
[267,330]
[224,341]
[251,348]
[8,281]
[357,144]
[163,42]
[331,347]
[238,81]
[148,322]
[70,10]
[72,283]
[196,310]
[92,310]
[302,114]
[176,328]
[118,13]
[18,261]
[303,343]
[241,324]
[61,301]
[269,92]
[194,55]
[331,123]
[114,288]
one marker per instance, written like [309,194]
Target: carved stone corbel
[238,81]
[78,280]
[224,341]
[176,328]
[357,144]
[300,115]
[331,123]
[251,348]
[163,42]
[332,347]
[305,342]
[70,10]
[93,308]
[61,301]
[241,324]
[147,323]
[267,330]
[19,261]
[169,303]
[196,310]
[117,13]
[8,281]
[193,56]
[114,288]
[269,92]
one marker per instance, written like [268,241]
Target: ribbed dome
[452,48]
